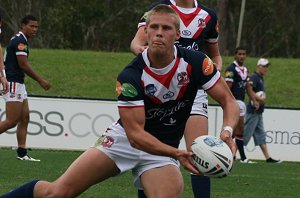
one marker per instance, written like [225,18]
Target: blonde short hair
[164,9]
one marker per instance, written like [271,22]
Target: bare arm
[212,50]
[133,120]
[23,63]
[231,113]
[3,79]
[139,42]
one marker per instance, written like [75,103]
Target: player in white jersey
[199,32]
[155,96]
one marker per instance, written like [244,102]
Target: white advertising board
[74,124]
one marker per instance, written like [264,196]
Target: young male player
[16,66]
[198,31]
[155,96]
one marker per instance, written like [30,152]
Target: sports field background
[92,75]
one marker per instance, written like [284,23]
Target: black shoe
[271,160]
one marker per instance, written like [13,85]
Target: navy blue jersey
[197,25]
[239,77]
[17,46]
[257,83]
[166,94]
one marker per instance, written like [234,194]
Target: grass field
[93,74]
[259,180]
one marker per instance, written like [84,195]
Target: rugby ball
[212,156]
[261,94]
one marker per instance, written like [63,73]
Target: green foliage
[246,180]
[93,74]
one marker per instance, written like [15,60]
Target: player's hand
[4,84]
[45,84]
[185,159]
[227,138]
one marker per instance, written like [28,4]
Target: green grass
[93,74]
[259,180]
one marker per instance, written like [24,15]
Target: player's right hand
[45,84]
[185,159]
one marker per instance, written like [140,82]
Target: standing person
[236,77]
[254,125]
[155,95]
[198,31]
[3,80]
[16,66]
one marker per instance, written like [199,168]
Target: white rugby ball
[212,156]
[261,94]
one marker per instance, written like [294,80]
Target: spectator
[254,126]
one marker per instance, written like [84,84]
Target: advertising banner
[75,124]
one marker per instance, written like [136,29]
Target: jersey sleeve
[229,74]
[129,89]
[21,48]
[210,74]
[213,33]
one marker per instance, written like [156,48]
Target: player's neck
[185,3]
[159,61]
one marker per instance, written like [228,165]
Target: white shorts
[115,145]
[243,108]
[200,105]
[17,92]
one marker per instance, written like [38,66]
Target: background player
[236,77]
[155,95]
[16,65]
[198,31]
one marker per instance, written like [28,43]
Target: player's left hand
[227,138]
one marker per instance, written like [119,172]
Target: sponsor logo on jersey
[104,141]
[118,88]
[126,89]
[186,32]
[207,66]
[229,74]
[150,90]
[170,94]
[182,78]
[22,47]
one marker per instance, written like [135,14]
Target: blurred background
[269,27]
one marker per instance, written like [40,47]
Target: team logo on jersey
[126,89]
[104,141]
[207,66]
[229,74]
[201,23]
[150,90]
[22,47]
[182,78]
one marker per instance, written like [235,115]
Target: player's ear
[177,34]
